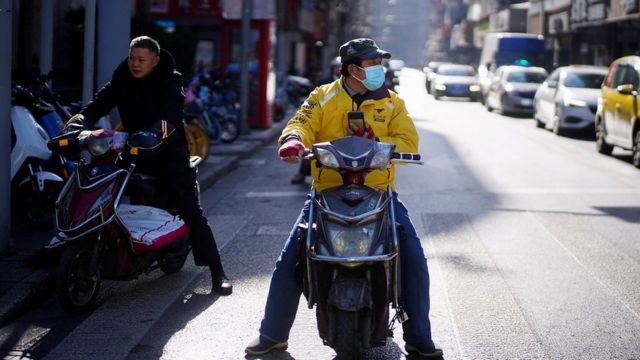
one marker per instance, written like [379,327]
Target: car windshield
[526,77]
[455,70]
[585,81]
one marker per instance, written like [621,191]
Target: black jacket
[153,105]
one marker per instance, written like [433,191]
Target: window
[585,81]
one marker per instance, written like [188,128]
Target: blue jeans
[285,291]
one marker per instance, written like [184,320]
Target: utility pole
[6,13]
[89,50]
[46,37]
[247,10]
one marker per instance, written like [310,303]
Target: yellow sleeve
[306,122]
[402,131]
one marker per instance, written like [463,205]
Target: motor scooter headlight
[350,241]
[382,159]
[326,158]
[97,146]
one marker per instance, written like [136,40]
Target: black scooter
[350,251]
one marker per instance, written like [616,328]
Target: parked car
[513,87]
[393,68]
[455,80]
[617,116]
[430,72]
[507,48]
[568,98]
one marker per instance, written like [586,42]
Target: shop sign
[585,11]
[262,9]
[629,6]
[185,8]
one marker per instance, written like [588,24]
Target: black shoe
[262,345]
[427,350]
[298,178]
[221,285]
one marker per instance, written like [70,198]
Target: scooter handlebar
[408,158]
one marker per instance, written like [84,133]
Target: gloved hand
[367,132]
[76,122]
[291,151]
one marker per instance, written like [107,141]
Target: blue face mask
[374,77]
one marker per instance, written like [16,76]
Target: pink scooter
[107,226]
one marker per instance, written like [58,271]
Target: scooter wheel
[77,290]
[346,340]
[171,260]
[230,131]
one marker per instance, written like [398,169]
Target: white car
[568,99]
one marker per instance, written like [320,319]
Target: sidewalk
[23,287]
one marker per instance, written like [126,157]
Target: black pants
[171,167]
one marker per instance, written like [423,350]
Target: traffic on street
[531,241]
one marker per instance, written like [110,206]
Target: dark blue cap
[362,48]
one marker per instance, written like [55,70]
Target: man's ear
[156,60]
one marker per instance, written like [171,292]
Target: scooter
[34,187]
[111,222]
[350,263]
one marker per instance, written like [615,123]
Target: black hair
[355,61]
[145,42]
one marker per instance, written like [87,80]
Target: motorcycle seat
[151,228]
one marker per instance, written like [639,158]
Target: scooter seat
[151,228]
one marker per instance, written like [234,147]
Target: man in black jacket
[147,90]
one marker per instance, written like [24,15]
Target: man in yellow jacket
[323,117]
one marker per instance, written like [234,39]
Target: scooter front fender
[41,177]
[350,294]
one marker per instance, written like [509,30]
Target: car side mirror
[626,89]
[552,84]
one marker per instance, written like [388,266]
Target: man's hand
[76,122]
[367,132]
[291,151]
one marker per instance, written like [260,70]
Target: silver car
[568,99]
[513,87]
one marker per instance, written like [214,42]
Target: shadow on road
[177,316]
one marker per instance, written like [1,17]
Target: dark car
[393,68]
[455,80]
[513,88]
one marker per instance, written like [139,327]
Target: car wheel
[557,129]
[636,150]
[601,144]
[539,124]
[486,103]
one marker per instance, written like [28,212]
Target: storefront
[205,36]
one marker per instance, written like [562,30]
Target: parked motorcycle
[111,222]
[350,252]
[35,188]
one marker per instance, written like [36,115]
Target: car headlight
[326,158]
[441,87]
[575,103]
[350,241]
[474,88]
[508,88]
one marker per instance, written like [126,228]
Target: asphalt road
[532,241]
